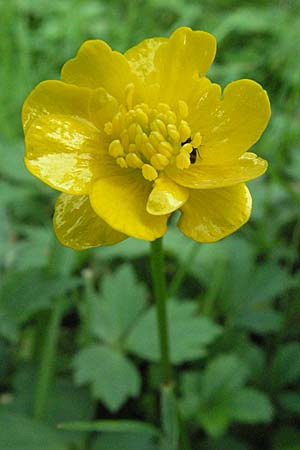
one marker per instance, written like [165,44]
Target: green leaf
[260,322]
[251,406]
[215,418]
[121,301]
[224,374]
[18,432]
[286,364]
[112,426]
[190,334]
[112,376]
[290,401]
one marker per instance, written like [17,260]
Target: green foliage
[234,313]
[219,396]
[190,333]
[28,434]
[112,376]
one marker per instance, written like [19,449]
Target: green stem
[160,294]
[46,369]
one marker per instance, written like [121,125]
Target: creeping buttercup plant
[128,140]
[80,352]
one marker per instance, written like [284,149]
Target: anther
[158,125]
[184,130]
[149,173]
[165,148]
[173,133]
[108,128]
[134,161]
[122,163]
[183,161]
[159,161]
[156,138]
[148,150]
[197,139]
[186,148]
[115,148]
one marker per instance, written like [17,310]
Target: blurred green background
[77,329]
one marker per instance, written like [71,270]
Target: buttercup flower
[129,139]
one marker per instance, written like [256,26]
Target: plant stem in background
[160,294]
[46,368]
[169,415]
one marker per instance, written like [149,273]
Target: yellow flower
[128,139]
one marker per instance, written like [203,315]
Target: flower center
[151,139]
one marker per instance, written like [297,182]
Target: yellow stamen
[183,161]
[124,139]
[149,173]
[156,138]
[132,132]
[158,125]
[165,148]
[142,118]
[148,150]
[173,133]
[115,148]
[108,128]
[184,130]
[186,148]
[197,139]
[159,161]
[122,163]
[134,161]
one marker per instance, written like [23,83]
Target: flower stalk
[160,294]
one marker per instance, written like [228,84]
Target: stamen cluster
[151,138]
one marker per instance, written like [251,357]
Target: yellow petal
[96,66]
[55,97]
[212,214]
[166,197]
[205,176]
[230,126]
[186,55]
[102,107]
[77,225]
[141,58]
[64,152]
[121,201]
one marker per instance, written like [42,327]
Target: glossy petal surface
[231,125]
[166,197]
[141,58]
[212,214]
[55,97]
[205,176]
[186,56]
[64,152]
[77,225]
[96,66]
[121,201]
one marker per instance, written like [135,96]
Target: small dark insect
[193,156]
[194,152]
